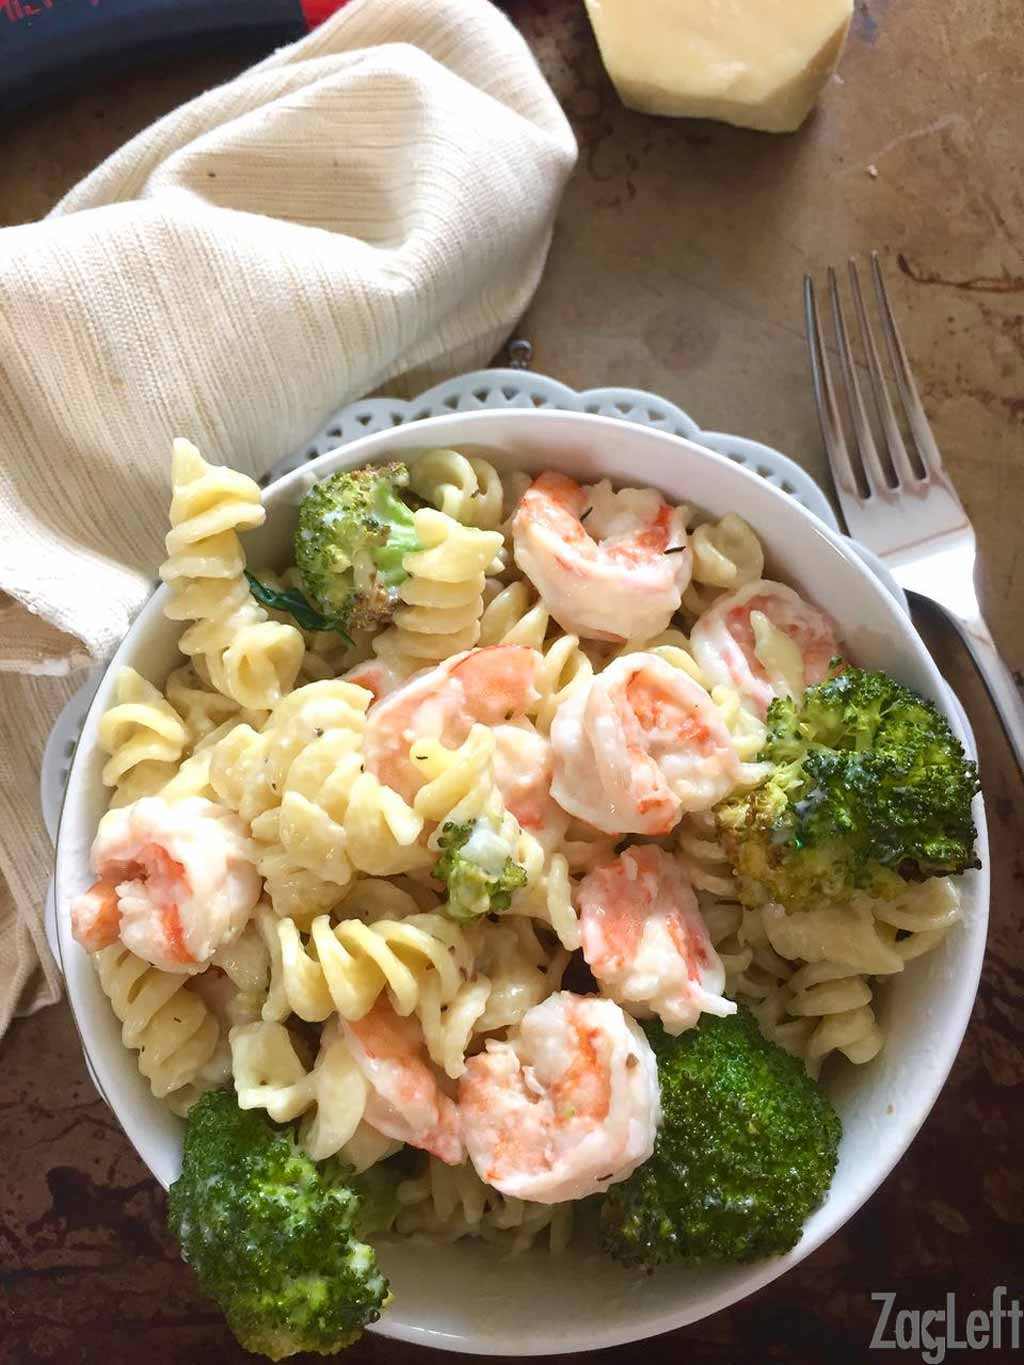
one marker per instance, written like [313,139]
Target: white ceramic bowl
[463,1297]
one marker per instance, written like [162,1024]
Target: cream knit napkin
[372,204]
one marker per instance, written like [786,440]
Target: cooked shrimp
[176,882]
[490,685]
[639,746]
[646,942]
[375,675]
[765,641]
[523,768]
[405,1100]
[567,1106]
[598,558]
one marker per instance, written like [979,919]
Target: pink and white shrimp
[639,746]
[176,881]
[405,1100]
[598,558]
[494,686]
[377,677]
[523,769]
[737,642]
[567,1106]
[646,942]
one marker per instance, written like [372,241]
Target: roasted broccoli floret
[353,534]
[745,1152]
[870,791]
[272,1237]
[477,869]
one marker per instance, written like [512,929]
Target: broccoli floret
[746,1151]
[272,1237]
[477,870]
[870,790]
[353,534]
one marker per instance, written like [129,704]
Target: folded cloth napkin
[372,204]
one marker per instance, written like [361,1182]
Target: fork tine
[928,451]
[902,467]
[825,400]
[874,474]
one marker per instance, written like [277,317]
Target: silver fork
[901,503]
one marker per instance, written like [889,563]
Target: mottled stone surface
[676,267]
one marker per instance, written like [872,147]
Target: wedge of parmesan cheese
[755,63]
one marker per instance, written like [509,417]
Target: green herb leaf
[293,602]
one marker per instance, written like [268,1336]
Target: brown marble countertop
[676,267]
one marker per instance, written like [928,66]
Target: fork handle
[1002,688]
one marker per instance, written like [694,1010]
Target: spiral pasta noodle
[375,898]
[333,820]
[244,654]
[726,554]
[447,1203]
[810,1009]
[522,970]
[201,709]
[442,598]
[514,617]
[254,966]
[352,963]
[144,736]
[269,1074]
[703,857]
[327,652]
[919,919]
[448,1028]
[838,1000]
[162,1019]
[467,489]
[460,787]
[317,815]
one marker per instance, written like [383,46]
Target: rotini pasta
[839,1001]
[376,898]
[318,816]
[467,489]
[919,919]
[201,708]
[522,971]
[253,964]
[726,553]
[460,787]
[447,1203]
[351,963]
[163,1020]
[327,653]
[810,1009]
[442,598]
[423,961]
[144,736]
[514,617]
[246,656]
[725,556]
[269,1074]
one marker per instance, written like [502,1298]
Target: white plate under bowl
[463,1297]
